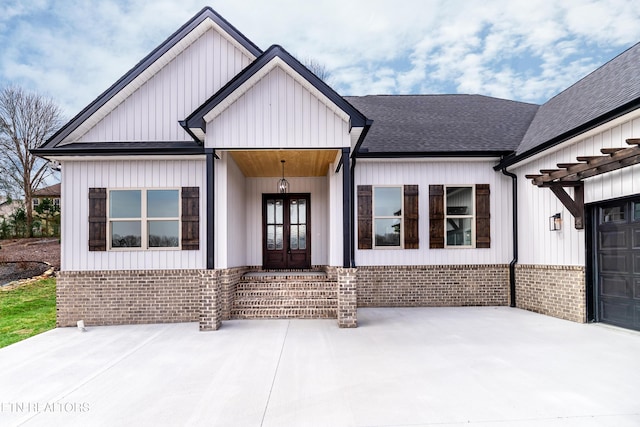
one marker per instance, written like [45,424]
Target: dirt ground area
[35,249]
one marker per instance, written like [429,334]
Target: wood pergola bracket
[573,174]
[576,205]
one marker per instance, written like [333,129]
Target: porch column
[347,221]
[210,156]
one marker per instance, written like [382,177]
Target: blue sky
[72,50]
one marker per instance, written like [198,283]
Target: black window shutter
[97,219]
[190,218]
[483,215]
[411,235]
[365,224]
[436,216]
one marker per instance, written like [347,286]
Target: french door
[286,231]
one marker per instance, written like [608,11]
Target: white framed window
[56,202]
[36,202]
[388,228]
[144,219]
[459,208]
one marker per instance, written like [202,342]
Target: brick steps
[285,297]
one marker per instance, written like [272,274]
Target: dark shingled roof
[440,124]
[600,96]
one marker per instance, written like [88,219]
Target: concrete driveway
[401,367]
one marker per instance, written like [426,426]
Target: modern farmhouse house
[216,181]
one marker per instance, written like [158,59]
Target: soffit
[267,163]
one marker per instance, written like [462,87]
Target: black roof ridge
[439,95]
[144,63]
[196,118]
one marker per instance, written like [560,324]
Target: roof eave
[592,124]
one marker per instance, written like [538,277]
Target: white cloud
[74,49]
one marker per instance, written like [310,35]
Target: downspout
[514,261]
[356,150]
[352,211]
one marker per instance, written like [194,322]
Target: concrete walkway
[401,367]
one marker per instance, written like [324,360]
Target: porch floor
[284,274]
[475,366]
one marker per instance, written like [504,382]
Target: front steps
[285,295]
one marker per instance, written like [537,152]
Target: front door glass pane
[271,237]
[271,212]
[293,210]
[279,237]
[302,237]
[302,209]
[294,237]
[636,211]
[279,216]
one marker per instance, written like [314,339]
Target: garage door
[618,263]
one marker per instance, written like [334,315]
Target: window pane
[293,211]
[271,211]
[459,201]
[279,211]
[271,237]
[387,232]
[293,239]
[302,237]
[125,234]
[163,234]
[279,237]
[458,231]
[162,203]
[124,203]
[388,201]
[613,214]
[636,211]
[302,209]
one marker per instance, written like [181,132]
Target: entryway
[617,269]
[286,231]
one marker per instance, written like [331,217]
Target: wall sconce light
[555,222]
[283,184]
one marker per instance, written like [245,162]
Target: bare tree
[317,68]
[26,121]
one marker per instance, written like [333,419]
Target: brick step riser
[285,286]
[285,303]
[286,279]
[269,313]
[279,294]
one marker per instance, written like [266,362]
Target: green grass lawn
[27,311]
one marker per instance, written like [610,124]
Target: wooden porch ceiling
[266,163]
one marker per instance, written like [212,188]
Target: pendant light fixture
[283,184]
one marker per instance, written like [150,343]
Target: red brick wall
[433,286]
[554,290]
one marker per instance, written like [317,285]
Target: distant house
[51,192]
[8,206]
[215,181]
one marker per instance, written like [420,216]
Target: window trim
[374,217]
[144,220]
[472,216]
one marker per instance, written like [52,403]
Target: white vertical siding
[231,217]
[334,214]
[316,186]
[152,112]
[79,176]
[423,174]
[538,245]
[278,112]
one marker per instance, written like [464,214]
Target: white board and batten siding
[433,172]
[278,113]
[334,215]
[538,245]
[152,112]
[79,176]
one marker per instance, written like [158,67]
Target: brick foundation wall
[554,290]
[127,297]
[433,285]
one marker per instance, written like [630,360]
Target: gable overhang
[106,102]
[515,159]
[275,56]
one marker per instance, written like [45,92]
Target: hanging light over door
[283,184]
